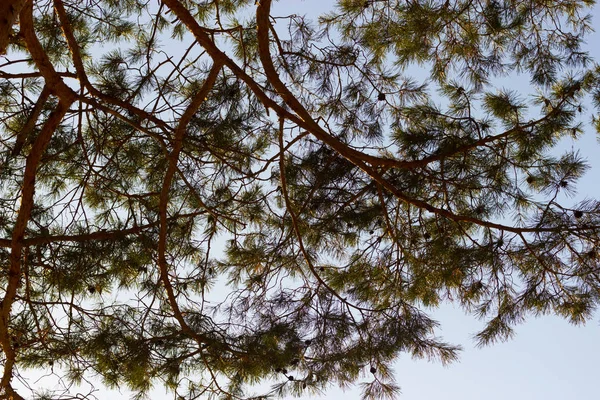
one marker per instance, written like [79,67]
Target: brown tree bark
[9,9]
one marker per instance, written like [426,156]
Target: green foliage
[211,230]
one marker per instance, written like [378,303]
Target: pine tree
[211,194]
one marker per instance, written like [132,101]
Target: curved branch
[14,271]
[66,98]
[302,118]
[9,9]
[164,198]
[364,161]
[52,78]
[82,76]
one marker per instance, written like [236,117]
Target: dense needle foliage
[212,194]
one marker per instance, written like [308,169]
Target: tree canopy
[212,194]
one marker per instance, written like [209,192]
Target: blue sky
[548,359]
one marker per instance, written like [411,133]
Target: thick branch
[14,270]
[366,162]
[302,118]
[66,96]
[263,28]
[51,77]
[9,9]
